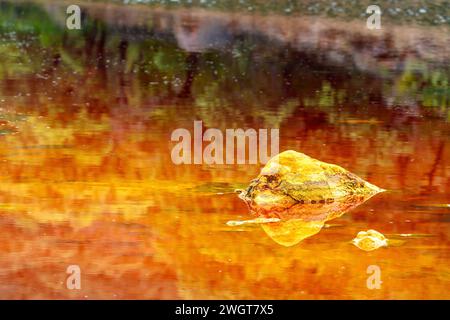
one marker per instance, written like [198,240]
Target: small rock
[370,240]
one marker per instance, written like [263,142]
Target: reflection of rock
[290,232]
[347,43]
[308,211]
[302,221]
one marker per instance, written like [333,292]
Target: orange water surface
[87,177]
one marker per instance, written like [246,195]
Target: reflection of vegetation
[326,97]
[248,79]
[36,21]
[13,61]
[432,86]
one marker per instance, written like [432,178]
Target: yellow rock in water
[292,177]
[303,193]
[370,240]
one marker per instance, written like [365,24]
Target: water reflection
[302,221]
[87,176]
